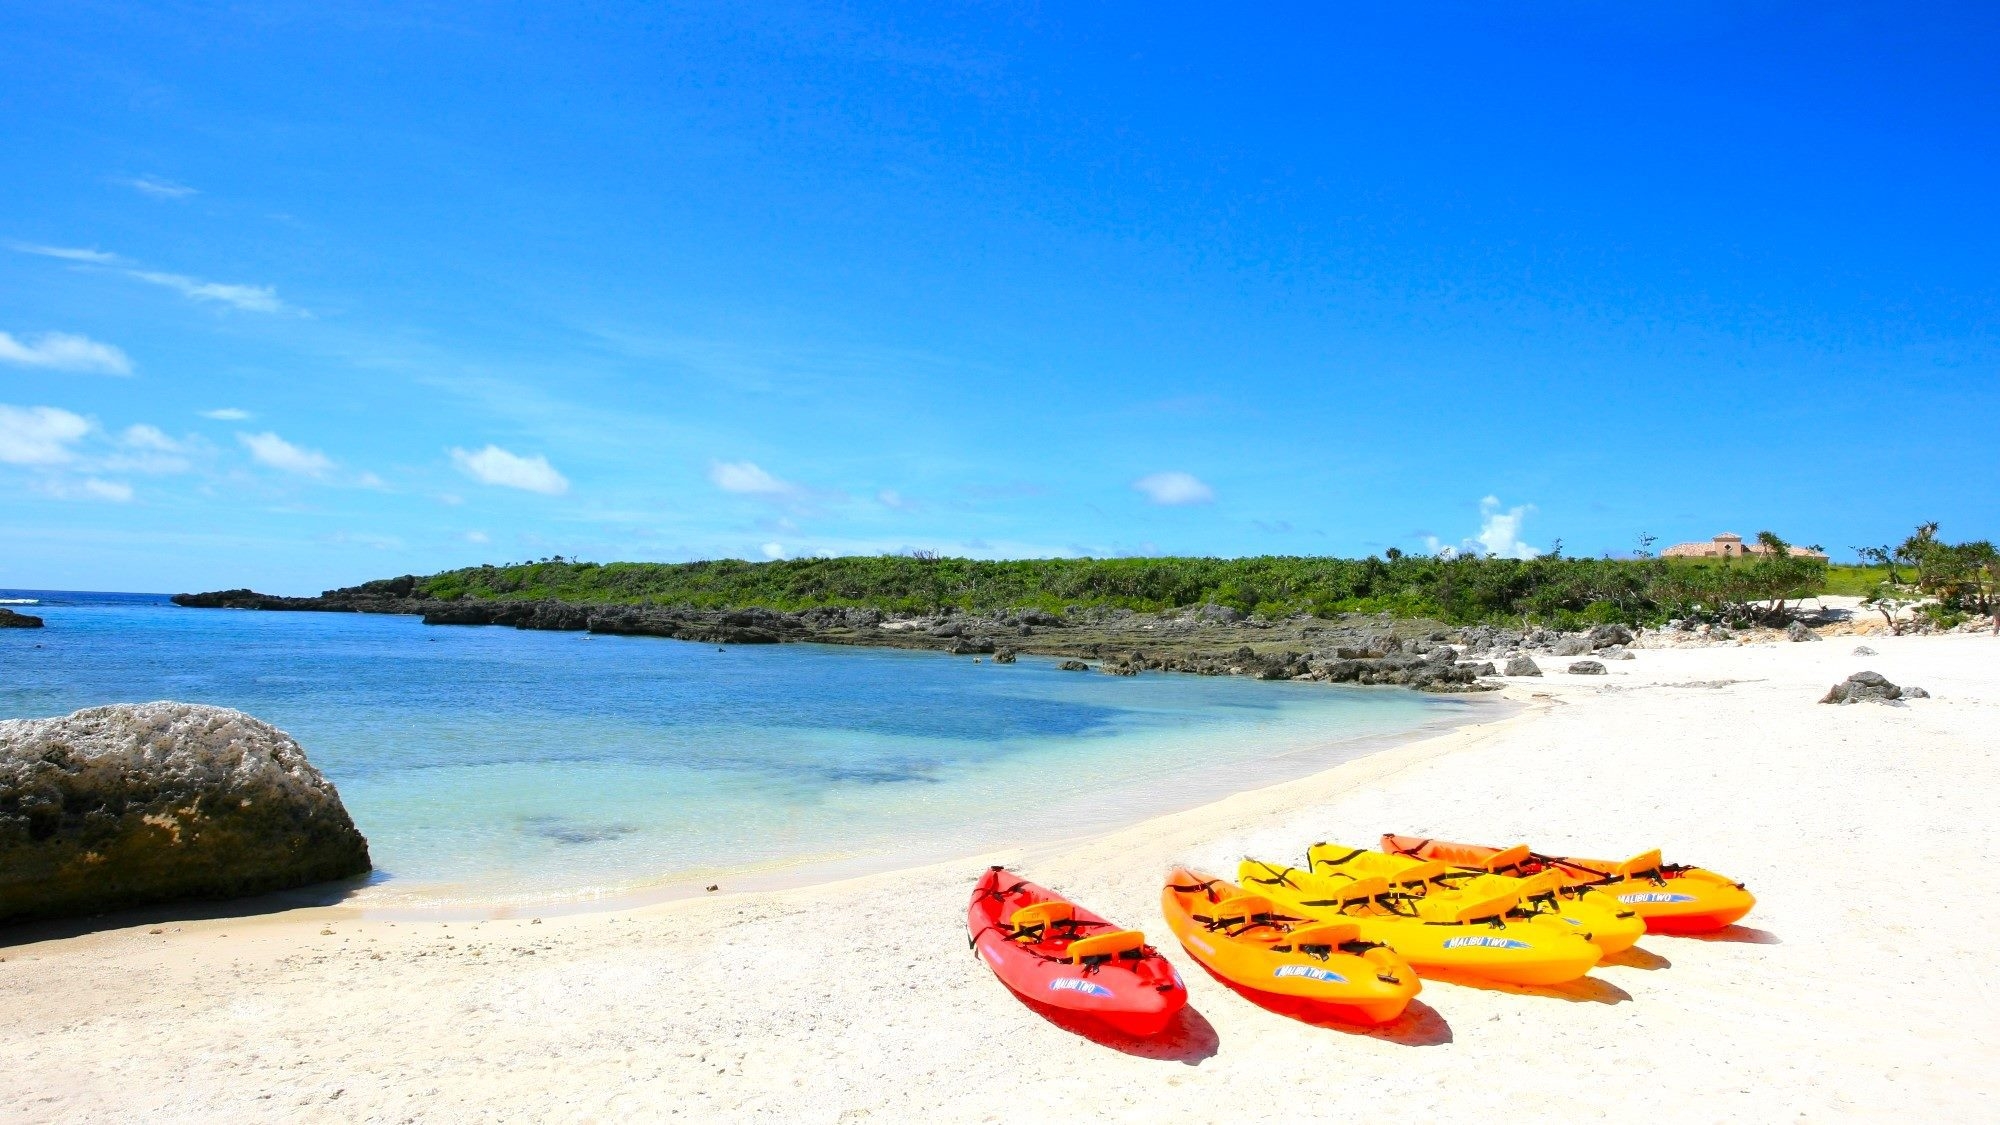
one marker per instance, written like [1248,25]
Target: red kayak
[1052,951]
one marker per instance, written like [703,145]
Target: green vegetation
[1564,592]
[1949,582]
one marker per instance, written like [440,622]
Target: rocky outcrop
[1863,687]
[11,620]
[1522,666]
[1073,666]
[130,804]
[1585,668]
[1800,631]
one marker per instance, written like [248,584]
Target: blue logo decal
[1078,984]
[1655,896]
[1484,943]
[1310,973]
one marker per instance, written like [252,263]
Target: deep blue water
[492,762]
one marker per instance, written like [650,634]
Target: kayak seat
[1468,908]
[1239,911]
[1645,863]
[1130,944]
[1034,921]
[1361,892]
[1507,859]
[1418,876]
[1322,937]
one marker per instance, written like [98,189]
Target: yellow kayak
[1545,898]
[1448,935]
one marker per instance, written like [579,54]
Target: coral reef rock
[120,806]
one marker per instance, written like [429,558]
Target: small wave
[20,601]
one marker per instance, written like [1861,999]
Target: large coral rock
[137,803]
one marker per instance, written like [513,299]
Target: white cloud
[143,436]
[146,449]
[63,351]
[164,189]
[39,435]
[452,499]
[774,550]
[1174,488]
[68,253]
[1500,532]
[477,537]
[747,478]
[270,449]
[254,298]
[890,498]
[370,480]
[90,488]
[494,465]
[227,414]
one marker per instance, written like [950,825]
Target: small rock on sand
[1585,668]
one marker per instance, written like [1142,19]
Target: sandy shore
[1859,988]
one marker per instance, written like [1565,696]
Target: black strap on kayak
[1342,861]
[1282,876]
[1207,888]
[1413,851]
[997,895]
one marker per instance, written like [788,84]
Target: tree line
[1551,589]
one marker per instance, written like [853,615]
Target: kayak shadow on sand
[1739,935]
[1190,1039]
[1583,990]
[1634,957]
[1418,1026]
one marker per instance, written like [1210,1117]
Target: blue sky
[294,299]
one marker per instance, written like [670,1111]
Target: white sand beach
[1860,987]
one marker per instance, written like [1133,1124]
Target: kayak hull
[1688,900]
[1138,997]
[1373,987]
[1596,917]
[1508,952]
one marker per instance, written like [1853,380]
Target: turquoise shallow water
[496,764]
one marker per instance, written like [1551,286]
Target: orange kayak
[1253,943]
[1672,898]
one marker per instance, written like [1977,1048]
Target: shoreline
[853,999]
[800,872]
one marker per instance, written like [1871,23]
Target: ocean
[499,766]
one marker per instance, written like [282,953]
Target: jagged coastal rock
[120,806]
[11,620]
[1866,687]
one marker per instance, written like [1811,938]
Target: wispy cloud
[774,550]
[270,449]
[40,435]
[251,298]
[479,537]
[64,351]
[146,449]
[160,188]
[89,488]
[226,414]
[496,466]
[747,478]
[1174,489]
[68,253]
